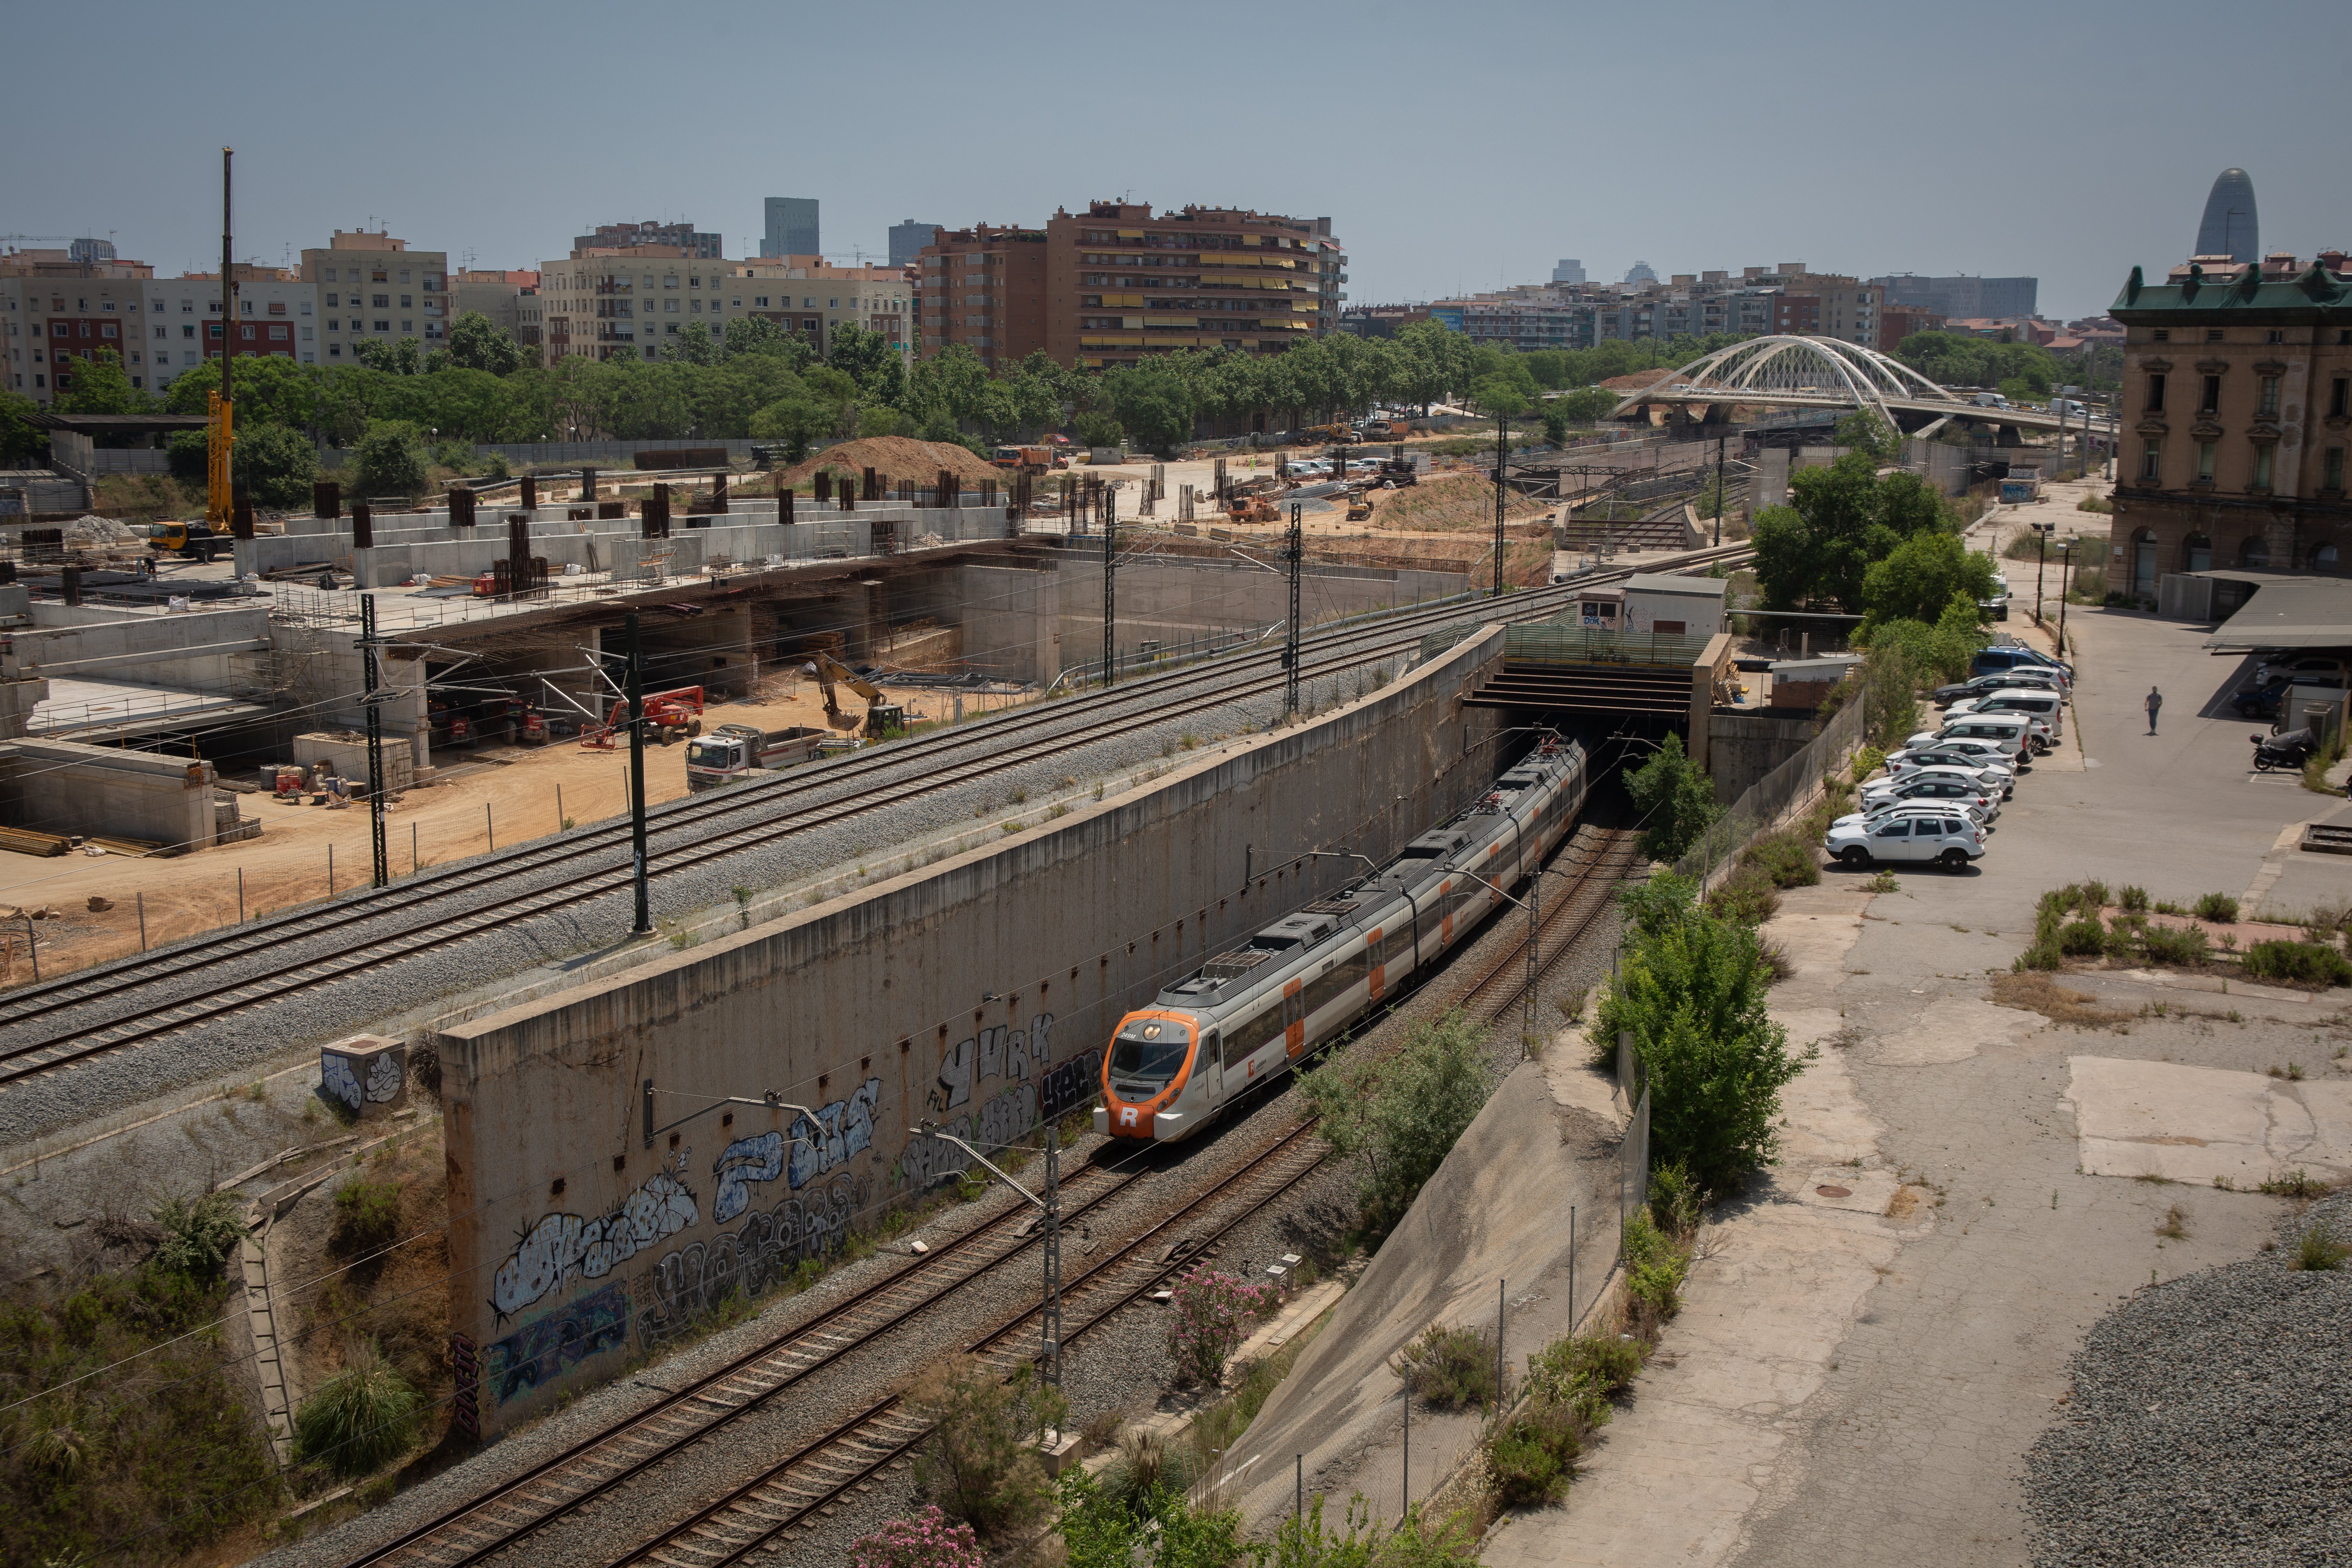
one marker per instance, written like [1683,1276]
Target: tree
[97,386]
[1501,396]
[978,1463]
[694,346]
[758,335]
[1842,520]
[1587,403]
[1691,991]
[477,344]
[390,460]
[1100,430]
[271,390]
[1402,1114]
[275,466]
[1924,575]
[1675,799]
[394,359]
[868,359]
[21,442]
[1866,433]
[796,421]
[1154,403]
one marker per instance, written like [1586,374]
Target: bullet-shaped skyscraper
[2229,227]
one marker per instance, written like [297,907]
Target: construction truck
[198,540]
[882,715]
[1028,459]
[734,752]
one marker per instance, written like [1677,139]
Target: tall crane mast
[220,406]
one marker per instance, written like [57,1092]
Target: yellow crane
[220,407]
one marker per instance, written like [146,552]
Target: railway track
[796,1491]
[44,1026]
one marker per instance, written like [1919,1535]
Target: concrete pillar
[248,556]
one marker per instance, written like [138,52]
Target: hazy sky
[1455,147]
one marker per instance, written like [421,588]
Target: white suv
[1950,842]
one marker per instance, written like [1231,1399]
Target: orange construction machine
[669,715]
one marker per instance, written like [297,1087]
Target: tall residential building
[1568,271]
[1115,284]
[498,295]
[372,284]
[90,250]
[907,240]
[629,235]
[1962,296]
[1829,305]
[2230,226]
[2237,403]
[160,327]
[791,228]
[635,302]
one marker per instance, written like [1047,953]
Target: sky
[1455,148]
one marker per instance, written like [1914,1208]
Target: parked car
[1938,787]
[2262,699]
[1887,809]
[1950,842]
[2278,662]
[2010,733]
[1990,773]
[2046,707]
[1984,685]
[1969,750]
[1998,606]
[2008,655]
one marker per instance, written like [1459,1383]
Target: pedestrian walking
[2155,701]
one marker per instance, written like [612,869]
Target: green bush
[1404,1113]
[1532,1454]
[1675,1200]
[390,461]
[2220,908]
[2133,899]
[978,1463]
[2091,897]
[1450,1367]
[2082,939]
[1585,1367]
[360,1418]
[1866,762]
[367,1217]
[1655,1266]
[199,1233]
[2305,962]
[1674,800]
[1691,991]
[2174,944]
[1746,897]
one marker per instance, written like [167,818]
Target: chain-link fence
[1792,784]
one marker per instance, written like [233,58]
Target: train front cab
[1156,1077]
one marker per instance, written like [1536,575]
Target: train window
[1246,1037]
[1334,983]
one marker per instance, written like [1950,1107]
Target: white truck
[733,752]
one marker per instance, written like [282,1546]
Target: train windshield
[1149,1051]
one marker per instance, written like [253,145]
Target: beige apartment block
[642,300]
[372,284]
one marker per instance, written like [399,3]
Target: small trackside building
[1674,607]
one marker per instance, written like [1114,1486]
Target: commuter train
[1250,1013]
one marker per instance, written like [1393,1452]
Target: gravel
[2205,1424]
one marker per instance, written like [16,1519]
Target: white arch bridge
[1822,373]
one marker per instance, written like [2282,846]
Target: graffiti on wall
[755,1254]
[999,1051]
[359,1080]
[841,1130]
[561,1247]
[552,1344]
[465,1377]
[1070,1085]
[742,1162]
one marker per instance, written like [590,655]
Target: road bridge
[1822,373]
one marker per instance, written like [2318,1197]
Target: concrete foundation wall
[63,786]
[188,650]
[1164,600]
[1743,747]
[976,993]
[1012,622]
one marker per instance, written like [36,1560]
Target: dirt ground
[492,793]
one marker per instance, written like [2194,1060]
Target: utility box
[345,753]
[366,1074]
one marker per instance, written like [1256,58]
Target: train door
[1294,1018]
[1445,914]
[1215,1076]
[1379,956]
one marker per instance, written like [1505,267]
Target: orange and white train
[1250,1014]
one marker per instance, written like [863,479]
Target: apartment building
[1526,317]
[628,236]
[159,327]
[635,302]
[985,288]
[1960,295]
[276,317]
[2238,411]
[1122,284]
[54,308]
[499,295]
[372,284]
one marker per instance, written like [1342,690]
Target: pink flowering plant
[1210,1316]
[930,1539]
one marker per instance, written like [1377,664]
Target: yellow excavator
[882,715]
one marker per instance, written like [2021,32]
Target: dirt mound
[899,459]
[1441,506]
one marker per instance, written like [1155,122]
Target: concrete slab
[2205,1125]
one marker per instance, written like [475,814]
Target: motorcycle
[2291,750]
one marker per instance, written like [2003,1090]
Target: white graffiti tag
[383,1079]
[563,1245]
[747,1159]
[843,1129]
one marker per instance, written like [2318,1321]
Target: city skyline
[307,164]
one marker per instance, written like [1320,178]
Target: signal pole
[372,701]
[1502,465]
[1295,552]
[1107,506]
[636,689]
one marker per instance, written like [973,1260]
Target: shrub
[367,1217]
[1164,1527]
[2091,897]
[390,460]
[1586,1368]
[930,1539]
[1402,1114]
[1746,897]
[1209,1315]
[2174,944]
[977,1461]
[199,1233]
[1675,1201]
[2220,908]
[1674,800]
[2305,962]
[1655,1266]
[360,1418]
[2134,899]
[1691,991]
[1866,762]
[1450,1367]
[2316,1249]
[1532,1454]
[1789,859]
[2082,939]
[1303,1541]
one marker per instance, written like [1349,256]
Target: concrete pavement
[1868,1349]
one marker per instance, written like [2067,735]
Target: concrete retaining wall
[186,650]
[63,786]
[1743,747]
[976,993]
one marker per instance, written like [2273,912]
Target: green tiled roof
[2314,293]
